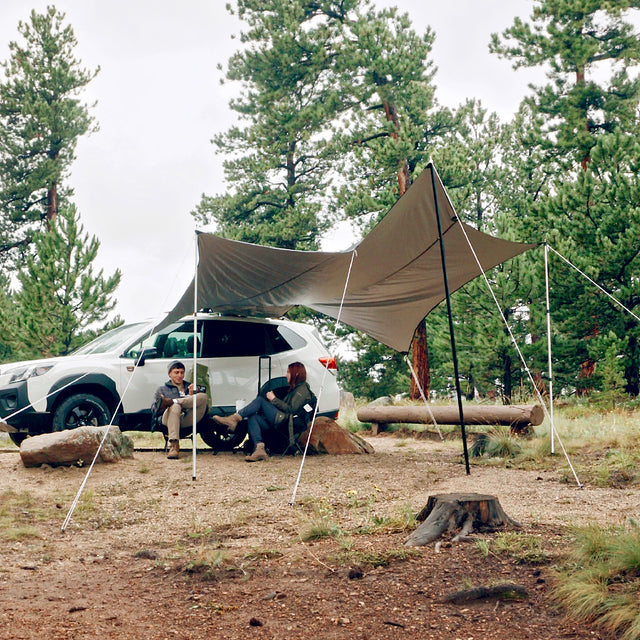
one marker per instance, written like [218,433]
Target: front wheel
[81,410]
[218,438]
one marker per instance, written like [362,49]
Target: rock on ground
[76,446]
[328,436]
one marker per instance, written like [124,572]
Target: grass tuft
[521,547]
[599,582]
[206,564]
[321,524]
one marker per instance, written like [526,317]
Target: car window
[231,339]
[283,338]
[112,339]
[174,341]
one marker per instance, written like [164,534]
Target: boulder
[347,402]
[329,437]
[76,446]
[383,401]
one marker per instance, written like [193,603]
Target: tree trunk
[420,362]
[419,351]
[631,373]
[507,384]
[52,205]
[462,512]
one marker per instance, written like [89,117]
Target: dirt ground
[151,553]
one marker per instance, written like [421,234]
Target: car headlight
[31,371]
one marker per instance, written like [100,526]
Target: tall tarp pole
[451,334]
[195,361]
[549,358]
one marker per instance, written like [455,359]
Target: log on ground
[460,513]
[510,415]
[503,591]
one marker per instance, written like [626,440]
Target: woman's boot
[259,453]
[230,422]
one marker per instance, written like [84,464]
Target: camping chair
[303,418]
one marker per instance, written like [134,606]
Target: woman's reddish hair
[298,374]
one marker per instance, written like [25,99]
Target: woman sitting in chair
[263,414]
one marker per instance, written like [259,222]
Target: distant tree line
[337,114]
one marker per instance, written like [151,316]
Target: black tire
[82,409]
[18,438]
[218,438]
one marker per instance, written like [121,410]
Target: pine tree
[7,321]
[474,170]
[388,133]
[596,225]
[61,298]
[585,121]
[574,39]
[333,92]
[278,166]
[41,119]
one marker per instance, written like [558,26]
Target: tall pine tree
[390,129]
[585,122]
[61,299]
[335,93]
[573,40]
[41,119]
[278,163]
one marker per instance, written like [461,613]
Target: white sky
[160,103]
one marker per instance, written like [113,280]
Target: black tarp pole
[453,340]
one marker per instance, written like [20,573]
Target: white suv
[119,371]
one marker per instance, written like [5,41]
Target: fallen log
[463,512]
[504,591]
[518,417]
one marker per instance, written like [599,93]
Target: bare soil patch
[150,553]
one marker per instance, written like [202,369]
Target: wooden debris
[504,591]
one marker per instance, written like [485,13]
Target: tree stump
[462,512]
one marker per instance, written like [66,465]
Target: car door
[237,350]
[140,382]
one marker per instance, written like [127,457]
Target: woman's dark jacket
[293,405]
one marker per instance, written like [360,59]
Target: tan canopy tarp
[395,281]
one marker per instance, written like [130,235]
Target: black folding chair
[302,418]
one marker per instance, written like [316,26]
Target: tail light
[328,362]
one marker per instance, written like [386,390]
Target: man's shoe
[174,450]
[230,422]
[165,403]
[259,454]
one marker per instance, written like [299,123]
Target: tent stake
[451,334]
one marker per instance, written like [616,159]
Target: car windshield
[110,341]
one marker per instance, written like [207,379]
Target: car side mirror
[148,352]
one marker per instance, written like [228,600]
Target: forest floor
[151,553]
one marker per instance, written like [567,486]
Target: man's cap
[176,364]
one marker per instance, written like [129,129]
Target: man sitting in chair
[173,404]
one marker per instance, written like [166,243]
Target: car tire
[79,410]
[220,440]
[18,438]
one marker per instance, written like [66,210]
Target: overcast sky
[160,102]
